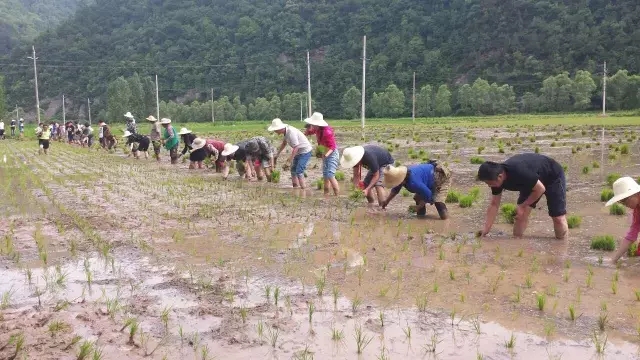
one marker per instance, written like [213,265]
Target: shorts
[369,176]
[143,145]
[240,167]
[265,163]
[157,145]
[198,155]
[43,143]
[556,194]
[299,164]
[330,165]
[70,136]
[1,132]
[442,183]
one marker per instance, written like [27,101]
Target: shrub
[508,212]
[603,242]
[606,194]
[477,160]
[574,221]
[466,201]
[585,170]
[452,197]
[617,209]
[339,175]
[611,178]
[275,176]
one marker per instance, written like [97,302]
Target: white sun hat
[622,189]
[152,118]
[229,149]
[316,119]
[165,121]
[128,115]
[184,131]
[351,156]
[198,143]
[276,124]
[126,134]
[394,176]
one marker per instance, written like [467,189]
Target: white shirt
[295,137]
[1,125]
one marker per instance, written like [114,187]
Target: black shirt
[188,140]
[524,171]
[137,138]
[375,157]
[240,154]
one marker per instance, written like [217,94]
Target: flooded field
[106,257]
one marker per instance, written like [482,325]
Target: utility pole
[213,116]
[157,100]
[35,76]
[604,91]
[308,86]
[89,110]
[17,116]
[301,107]
[64,113]
[413,110]
[364,82]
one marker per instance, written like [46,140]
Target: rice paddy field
[108,257]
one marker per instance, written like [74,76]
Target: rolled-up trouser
[330,165]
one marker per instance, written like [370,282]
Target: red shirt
[324,136]
[217,144]
[634,229]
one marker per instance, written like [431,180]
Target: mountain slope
[256,48]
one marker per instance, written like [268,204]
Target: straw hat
[152,118]
[229,149]
[126,134]
[276,125]
[184,131]
[165,121]
[198,143]
[394,176]
[316,119]
[351,156]
[128,115]
[622,189]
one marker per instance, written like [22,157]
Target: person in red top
[327,149]
[219,159]
[627,192]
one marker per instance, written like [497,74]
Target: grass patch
[606,194]
[453,197]
[611,178]
[603,242]
[466,201]
[508,212]
[617,209]
[574,221]
[476,160]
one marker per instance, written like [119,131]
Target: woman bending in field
[627,192]
[328,151]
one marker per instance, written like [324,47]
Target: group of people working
[532,175]
[12,126]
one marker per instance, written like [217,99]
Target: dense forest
[253,50]
[22,20]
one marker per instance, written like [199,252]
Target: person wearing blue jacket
[429,182]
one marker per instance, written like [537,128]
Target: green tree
[465,99]
[424,101]
[239,109]
[291,106]
[443,101]
[136,101]
[149,90]
[583,88]
[529,103]
[481,97]
[351,103]
[275,107]
[260,109]
[388,104]
[556,93]
[224,109]
[118,95]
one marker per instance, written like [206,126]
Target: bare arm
[492,212]
[536,193]
[624,247]
[281,147]
[392,195]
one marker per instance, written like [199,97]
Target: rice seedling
[267,293]
[528,282]
[611,178]
[311,308]
[164,317]
[614,287]
[603,320]
[337,335]
[432,344]
[466,201]
[549,328]
[511,342]
[362,340]
[508,212]
[552,290]
[617,209]
[276,295]
[476,160]
[407,332]
[574,221]
[541,301]
[260,329]
[274,332]
[606,195]
[518,296]
[452,274]
[637,294]
[421,303]
[565,275]
[85,349]
[56,326]
[600,343]
[452,197]
[340,175]
[585,170]
[355,304]
[603,242]
[5,301]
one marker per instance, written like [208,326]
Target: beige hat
[198,143]
[165,121]
[128,115]
[184,131]
[622,189]
[394,176]
[229,149]
[126,134]
[276,124]
[351,156]
[152,118]
[316,119]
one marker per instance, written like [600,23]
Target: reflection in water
[303,236]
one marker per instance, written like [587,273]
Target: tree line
[559,93]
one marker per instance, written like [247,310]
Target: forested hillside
[251,49]
[22,20]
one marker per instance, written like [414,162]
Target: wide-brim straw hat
[128,115]
[152,118]
[184,131]
[229,149]
[165,121]
[622,189]
[351,156]
[276,124]
[316,119]
[198,143]
[394,176]
[126,134]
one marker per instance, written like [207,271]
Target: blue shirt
[420,180]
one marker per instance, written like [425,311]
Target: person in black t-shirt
[533,175]
[375,159]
